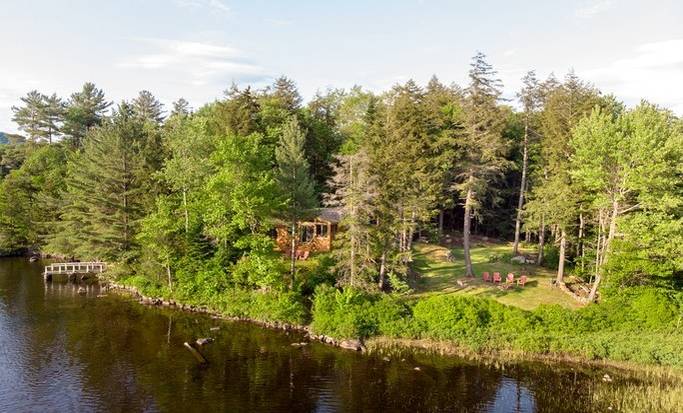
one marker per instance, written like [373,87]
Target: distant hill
[12,138]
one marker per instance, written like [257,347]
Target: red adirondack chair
[486,277]
[510,278]
[496,277]
[304,255]
[522,280]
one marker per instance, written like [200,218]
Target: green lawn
[439,276]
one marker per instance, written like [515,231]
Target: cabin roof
[332,215]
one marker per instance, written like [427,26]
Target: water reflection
[65,351]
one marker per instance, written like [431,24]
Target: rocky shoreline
[352,344]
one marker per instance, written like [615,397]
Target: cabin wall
[317,244]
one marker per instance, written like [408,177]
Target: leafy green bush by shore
[643,328]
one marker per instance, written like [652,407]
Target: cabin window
[307,233]
[321,230]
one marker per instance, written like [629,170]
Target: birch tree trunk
[522,188]
[383,269]
[560,264]
[168,275]
[466,234]
[606,247]
[541,242]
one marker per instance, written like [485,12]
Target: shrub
[343,314]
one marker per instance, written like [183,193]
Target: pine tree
[53,114]
[30,116]
[529,96]
[147,107]
[84,110]
[239,114]
[482,146]
[295,182]
[444,110]
[284,91]
[181,107]
[105,197]
[352,191]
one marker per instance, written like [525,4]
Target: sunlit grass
[437,275]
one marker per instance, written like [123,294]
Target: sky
[196,48]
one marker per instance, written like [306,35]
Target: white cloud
[194,63]
[593,7]
[214,5]
[653,72]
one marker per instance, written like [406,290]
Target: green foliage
[351,313]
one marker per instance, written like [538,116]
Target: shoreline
[382,344]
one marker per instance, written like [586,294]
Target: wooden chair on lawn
[486,277]
[496,277]
[522,280]
[510,278]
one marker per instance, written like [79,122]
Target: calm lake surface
[61,351]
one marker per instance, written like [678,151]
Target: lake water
[61,351]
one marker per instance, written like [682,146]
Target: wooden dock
[73,269]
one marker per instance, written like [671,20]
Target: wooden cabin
[315,235]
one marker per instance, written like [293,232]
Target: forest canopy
[187,199]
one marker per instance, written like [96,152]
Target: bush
[342,314]
[270,306]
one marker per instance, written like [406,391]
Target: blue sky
[196,48]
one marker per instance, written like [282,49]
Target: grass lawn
[439,276]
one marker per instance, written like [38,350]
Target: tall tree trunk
[541,242]
[292,255]
[168,275]
[581,243]
[352,266]
[383,268]
[409,240]
[563,251]
[606,247]
[522,187]
[187,214]
[466,234]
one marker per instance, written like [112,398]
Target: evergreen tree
[31,116]
[84,110]
[181,107]
[556,201]
[352,191]
[482,146]
[295,183]
[148,108]
[529,96]
[322,138]
[239,114]
[444,110]
[284,91]
[105,197]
